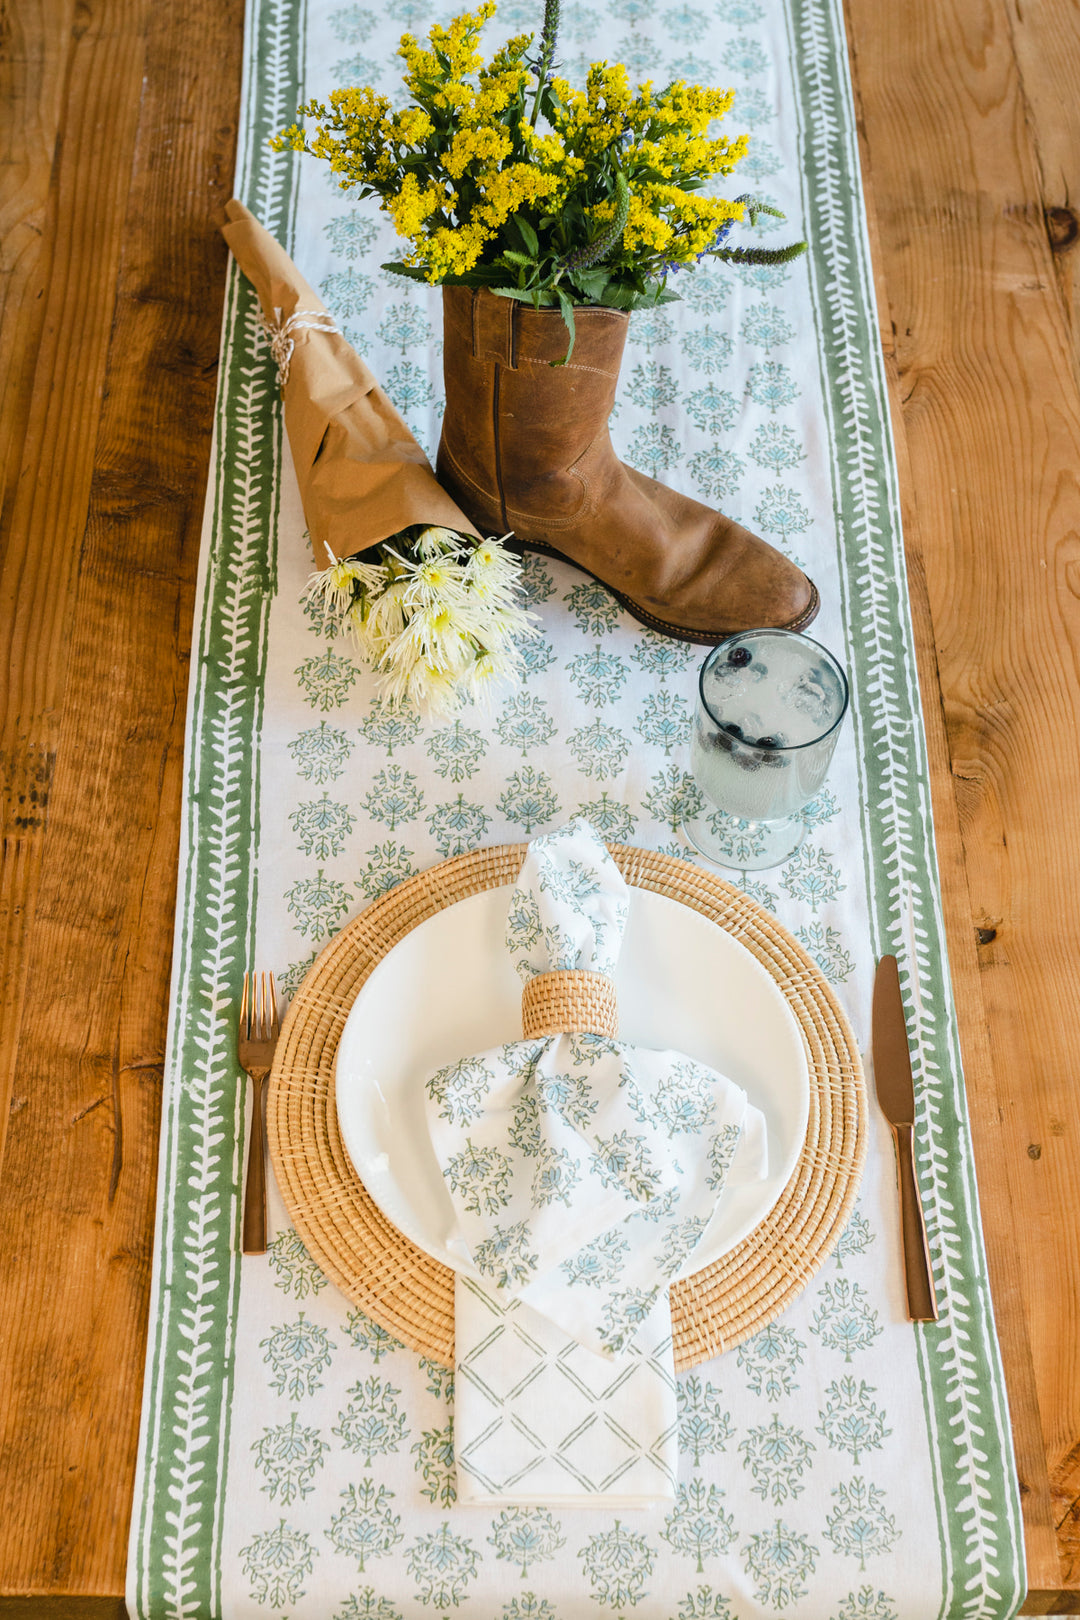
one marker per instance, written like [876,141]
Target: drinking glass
[770,704]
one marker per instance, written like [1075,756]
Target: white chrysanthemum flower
[437,617]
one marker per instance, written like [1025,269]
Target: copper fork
[259,1030]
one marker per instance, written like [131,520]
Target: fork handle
[255,1183]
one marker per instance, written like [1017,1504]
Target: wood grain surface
[117,151]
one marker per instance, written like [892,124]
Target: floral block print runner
[296,1461]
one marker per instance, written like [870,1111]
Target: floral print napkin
[583,1171]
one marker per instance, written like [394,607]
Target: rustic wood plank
[119,425]
[990,417]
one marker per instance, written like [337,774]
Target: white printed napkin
[584,1172]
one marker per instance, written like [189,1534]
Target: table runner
[296,1461]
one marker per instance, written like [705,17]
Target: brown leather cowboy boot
[525,448]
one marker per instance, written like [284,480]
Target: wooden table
[117,161]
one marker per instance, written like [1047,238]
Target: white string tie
[281,342]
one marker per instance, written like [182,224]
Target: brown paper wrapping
[362,475]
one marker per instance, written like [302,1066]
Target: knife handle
[918,1277]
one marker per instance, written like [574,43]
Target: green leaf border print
[960,1365]
[174,1561]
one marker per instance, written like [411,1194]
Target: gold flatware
[896,1095]
[259,1029]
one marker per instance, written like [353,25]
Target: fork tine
[260,1005]
[244,1010]
[275,1022]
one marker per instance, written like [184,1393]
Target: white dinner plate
[448,989]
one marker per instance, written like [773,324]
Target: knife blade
[896,1096]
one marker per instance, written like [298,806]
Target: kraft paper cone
[362,475]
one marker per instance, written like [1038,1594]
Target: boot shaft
[508,405]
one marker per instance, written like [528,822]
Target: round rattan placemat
[412,1295]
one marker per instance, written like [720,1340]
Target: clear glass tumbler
[770,704]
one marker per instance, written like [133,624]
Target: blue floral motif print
[394,797]
[866,1604]
[599,1262]
[529,1607]
[351,25]
[365,1605]
[555,1177]
[661,656]
[616,821]
[460,1089]
[297,1352]
[387,865]
[703,1427]
[850,1420]
[673,795]
[844,1320]
[854,1240]
[347,292]
[811,876]
[481,1175]
[778,1561]
[685,1100]
[624,1311]
[859,1526]
[317,903]
[276,1562]
[652,386]
[707,350]
[570,1096]
[371,1424]
[370,1336]
[717,473]
[623,1161]
[457,751]
[526,1536]
[618,1563]
[434,1453]
[653,449]
[367,1526]
[298,1274]
[664,721]
[704,1604]
[771,384]
[777,1456]
[594,608]
[321,755]
[598,676]
[721,1153]
[780,511]
[699,1527]
[389,726]
[325,680]
[525,723]
[775,448]
[506,1257]
[765,326]
[529,798]
[403,327]
[824,945]
[600,750]
[322,826]
[458,827]
[288,1458]
[770,1359]
[680,1241]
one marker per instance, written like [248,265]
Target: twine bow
[281,342]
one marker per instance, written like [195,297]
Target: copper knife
[896,1095]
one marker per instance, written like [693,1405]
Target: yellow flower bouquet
[503,176]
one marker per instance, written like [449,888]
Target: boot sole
[678,632]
